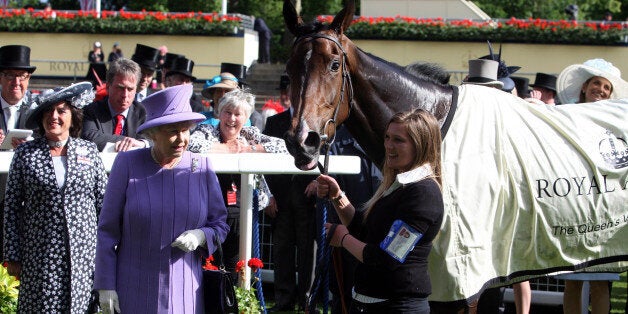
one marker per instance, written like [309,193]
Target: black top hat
[146,57]
[545,80]
[170,57]
[238,70]
[284,81]
[16,57]
[182,66]
[522,86]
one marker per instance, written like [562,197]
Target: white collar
[414,175]
[5,104]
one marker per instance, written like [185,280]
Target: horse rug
[529,190]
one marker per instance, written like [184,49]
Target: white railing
[247,165]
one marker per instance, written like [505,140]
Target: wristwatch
[336,200]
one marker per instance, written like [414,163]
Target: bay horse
[325,68]
[505,185]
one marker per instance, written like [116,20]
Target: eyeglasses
[12,76]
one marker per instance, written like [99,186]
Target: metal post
[246,225]
[223,10]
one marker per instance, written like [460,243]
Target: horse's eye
[335,65]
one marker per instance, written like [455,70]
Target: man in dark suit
[293,224]
[15,73]
[115,118]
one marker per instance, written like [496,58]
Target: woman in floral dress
[54,195]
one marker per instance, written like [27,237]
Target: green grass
[618,295]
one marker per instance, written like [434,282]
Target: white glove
[108,300]
[189,240]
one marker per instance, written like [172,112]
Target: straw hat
[225,80]
[570,80]
[170,105]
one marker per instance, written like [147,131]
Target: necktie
[11,113]
[118,129]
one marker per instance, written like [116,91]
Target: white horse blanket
[530,190]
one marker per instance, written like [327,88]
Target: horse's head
[320,84]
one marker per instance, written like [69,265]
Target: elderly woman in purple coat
[162,209]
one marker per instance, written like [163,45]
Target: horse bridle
[346,80]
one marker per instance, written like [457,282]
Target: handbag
[218,290]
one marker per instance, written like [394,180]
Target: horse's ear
[343,19]
[290,17]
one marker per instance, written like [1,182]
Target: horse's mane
[431,72]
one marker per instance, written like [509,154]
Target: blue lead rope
[256,250]
[321,279]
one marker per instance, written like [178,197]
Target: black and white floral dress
[52,230]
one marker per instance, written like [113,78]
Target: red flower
[239,266]
[255,264]
[208,263]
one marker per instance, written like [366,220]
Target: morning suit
[293,226]
[98,123]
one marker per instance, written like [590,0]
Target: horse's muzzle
[305,152]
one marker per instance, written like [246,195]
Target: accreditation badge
[400,240]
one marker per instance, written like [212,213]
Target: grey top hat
[79,95]
[483,72]
[16,57]
[146,57]
[183,66]
[545,80]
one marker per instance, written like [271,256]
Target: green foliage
[148,5]
[194,5]
[8,292]
[247,301]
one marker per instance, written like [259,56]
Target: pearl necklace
[57,144]
[152,154]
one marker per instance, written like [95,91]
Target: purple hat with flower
[170,105]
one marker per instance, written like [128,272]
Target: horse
[505,207]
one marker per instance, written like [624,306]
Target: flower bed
[393,28]
[513,30]
[118,22]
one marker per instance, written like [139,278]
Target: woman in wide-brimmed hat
[593,80]
[54,194]
[160,216]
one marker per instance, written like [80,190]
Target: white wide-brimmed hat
[570,80]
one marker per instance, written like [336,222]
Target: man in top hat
[17,101]
[115,118]
[522,86]
[147,58]
[544,88]
[293,224]
[181,73]
[168,60]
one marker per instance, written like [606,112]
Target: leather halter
[346,81]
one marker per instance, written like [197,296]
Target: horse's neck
[380,91]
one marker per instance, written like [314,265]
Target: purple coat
[145,209]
